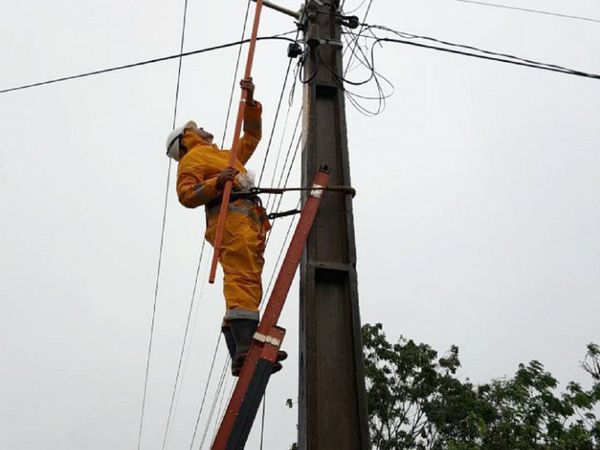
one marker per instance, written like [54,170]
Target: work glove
[226,175]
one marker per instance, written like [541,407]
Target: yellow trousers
[241,256]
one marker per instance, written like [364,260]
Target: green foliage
[416,402]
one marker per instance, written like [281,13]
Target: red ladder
[250,387]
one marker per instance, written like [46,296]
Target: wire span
[162,238]
[277,37]
[529,10]
[516,61]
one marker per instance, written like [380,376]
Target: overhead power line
[517,61]
[162,236]
[183,348]
[280,37]
[529,10]
[452,47]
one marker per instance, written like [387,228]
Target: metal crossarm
[250,388]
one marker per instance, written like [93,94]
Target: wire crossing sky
[536,11]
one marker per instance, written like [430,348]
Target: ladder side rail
[294,254]
[239,415]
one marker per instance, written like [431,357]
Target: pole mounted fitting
[312,36]
[294,50]
[350,21]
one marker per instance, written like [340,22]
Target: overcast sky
[477,214]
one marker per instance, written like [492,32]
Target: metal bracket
[295,14]
[331,42]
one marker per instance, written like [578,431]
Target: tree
[416,401]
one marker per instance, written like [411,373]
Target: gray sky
[477,214]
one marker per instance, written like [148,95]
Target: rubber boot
[243,331]
[230,341]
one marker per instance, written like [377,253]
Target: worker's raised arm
[193,189]
[252,132]
[252,123]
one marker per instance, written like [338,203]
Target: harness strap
[252,196]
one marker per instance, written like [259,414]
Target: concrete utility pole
[332,401]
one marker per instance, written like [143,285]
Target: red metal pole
[235,145]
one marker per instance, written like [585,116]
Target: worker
[201,177]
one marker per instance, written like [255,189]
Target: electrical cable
[223,395]
[494,56]
[285,239]
[212,408]
[277,37]
[516,61]
[362,27]
[287,176]
[212,365]
[369,63]
[405,35]
[183,346]
[283,133]
[273,176]
[191,340]
[262,422]
[235,73]
[354,9]
[287,73]
[160,251]
[162,233]
[537,11]
[382,96]
[269,198]
[293,89]
[222,403]
[315,71]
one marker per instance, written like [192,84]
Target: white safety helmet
[173,139]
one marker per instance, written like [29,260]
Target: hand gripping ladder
[250,388]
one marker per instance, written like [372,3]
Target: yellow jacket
[198,169]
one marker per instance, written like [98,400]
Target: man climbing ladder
[201,178]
